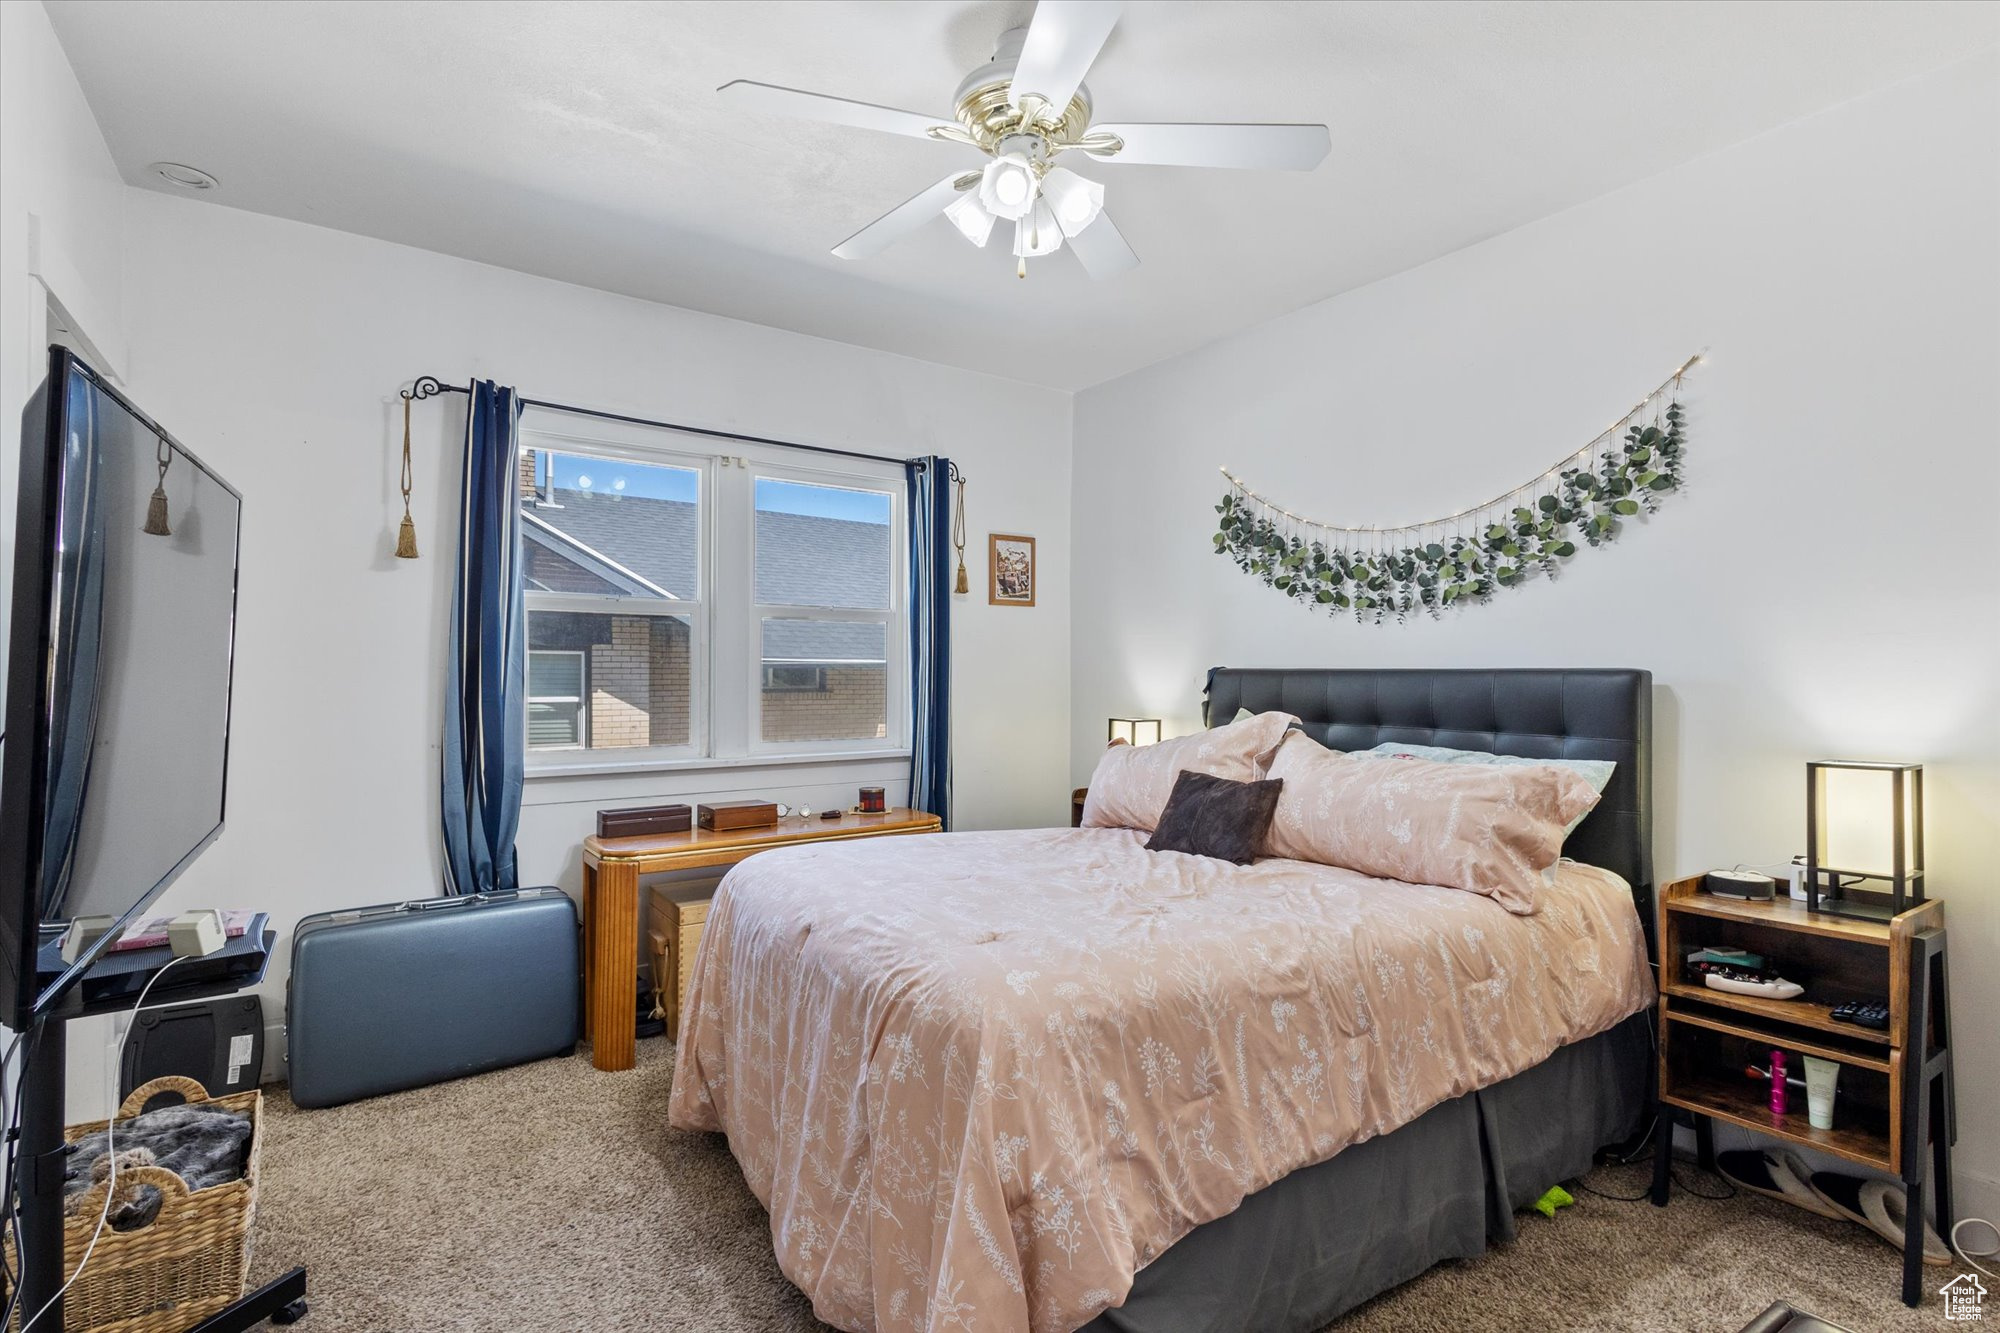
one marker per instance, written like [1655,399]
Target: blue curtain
[483,718]
[929,484]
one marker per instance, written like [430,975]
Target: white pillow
[1132,783]
[1597,772]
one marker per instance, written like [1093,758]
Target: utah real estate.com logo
[1963,1296]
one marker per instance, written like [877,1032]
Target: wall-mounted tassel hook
[406,536]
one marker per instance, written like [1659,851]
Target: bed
[1046,1079]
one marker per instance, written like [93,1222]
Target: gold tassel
[156,514]
[406,536]
[156,508]
[958,538]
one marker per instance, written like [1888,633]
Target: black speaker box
[218,1043]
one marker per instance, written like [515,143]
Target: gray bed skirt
[1319,1242]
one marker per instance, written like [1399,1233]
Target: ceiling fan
[1024,109]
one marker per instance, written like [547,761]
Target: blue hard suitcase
[399,996]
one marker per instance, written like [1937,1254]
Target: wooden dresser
[611,870]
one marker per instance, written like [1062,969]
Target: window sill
[614,767]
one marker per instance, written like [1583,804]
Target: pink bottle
[1777,1082]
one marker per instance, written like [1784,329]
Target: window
[556,710]
[780,679]
[683,607]
[611,563]
[824,599]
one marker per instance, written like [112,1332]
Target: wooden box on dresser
[678,915]
[1894,1097]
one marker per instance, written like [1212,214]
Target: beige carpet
[553,1198]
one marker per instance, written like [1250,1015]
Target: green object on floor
[1557,1197]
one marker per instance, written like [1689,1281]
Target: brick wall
[852,706]
[639,684]
[668,659]
[621,696]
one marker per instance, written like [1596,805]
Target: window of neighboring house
[558,716]
[781,679]
[694,607]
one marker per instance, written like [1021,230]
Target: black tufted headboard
[1539,713]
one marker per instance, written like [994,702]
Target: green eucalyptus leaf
[1625,507]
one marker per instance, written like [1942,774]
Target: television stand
[38,1237]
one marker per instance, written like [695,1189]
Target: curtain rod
[429,386]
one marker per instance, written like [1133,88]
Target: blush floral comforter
[979,1080]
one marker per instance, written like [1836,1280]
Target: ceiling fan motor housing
[982,106]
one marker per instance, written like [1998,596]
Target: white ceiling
[585,141]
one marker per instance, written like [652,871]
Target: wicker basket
[183,1266]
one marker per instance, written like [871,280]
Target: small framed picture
[1011,562]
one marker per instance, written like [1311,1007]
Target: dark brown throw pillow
[1218,817]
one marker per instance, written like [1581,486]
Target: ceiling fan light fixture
[972,219]
[1037,234]
[1076,200]
[1007,186]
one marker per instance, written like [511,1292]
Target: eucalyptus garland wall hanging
[1378,572]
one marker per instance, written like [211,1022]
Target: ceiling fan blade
[834,110]
[1102,250]
[1266,147]
[901,220]
[1064,37]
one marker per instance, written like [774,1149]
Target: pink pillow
[1132,783]
[1486,829]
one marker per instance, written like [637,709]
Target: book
[151,932]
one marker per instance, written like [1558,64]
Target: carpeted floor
[554,1198]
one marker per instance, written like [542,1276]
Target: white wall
[1824,588]
[61,220]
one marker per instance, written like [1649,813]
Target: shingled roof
[802,560]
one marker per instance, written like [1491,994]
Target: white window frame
[725,724]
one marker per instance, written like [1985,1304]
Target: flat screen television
[118,674]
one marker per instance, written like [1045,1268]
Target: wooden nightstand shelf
[1895,1093]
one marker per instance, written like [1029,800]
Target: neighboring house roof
[802,560]
[576,567]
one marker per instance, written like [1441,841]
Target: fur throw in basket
[203,1145]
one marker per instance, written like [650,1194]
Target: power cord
[1615,1198]
[8,1225]
[110,1156]
[1729,1188]
[1961,1225]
